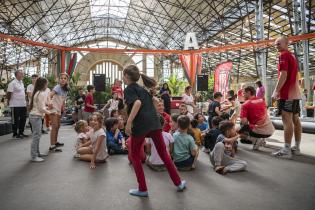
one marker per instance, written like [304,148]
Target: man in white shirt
[17,103]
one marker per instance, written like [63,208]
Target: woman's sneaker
[283,153]
[136,192]
[295,150]
[37,159]
[59,144]
[182,186]
[53,148]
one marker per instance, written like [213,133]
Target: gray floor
[64,183]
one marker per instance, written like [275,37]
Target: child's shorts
[185,163]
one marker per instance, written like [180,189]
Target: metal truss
[154,24]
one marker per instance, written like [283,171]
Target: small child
[83,139]
[197,133]
[114,113]
[185,151]
[173,123]
[121,126]
[212,135]
[96,152]
[202,124]
[221,156]
[114,139]
[112,104]
[154,161]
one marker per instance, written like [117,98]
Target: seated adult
[255,122]
[184,111]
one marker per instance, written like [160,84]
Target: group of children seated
[184,135]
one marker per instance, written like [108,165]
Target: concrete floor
[64,183]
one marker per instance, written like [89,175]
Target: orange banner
[192,65]
[223,48]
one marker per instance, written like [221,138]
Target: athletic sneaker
[59,144]
[37,159]
[54,149]
[295,150]
[284,153]
[136,192]
[182,186]
[259,142]
[42,155]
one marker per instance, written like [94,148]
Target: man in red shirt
[288,95]
[256,125]
[89,107]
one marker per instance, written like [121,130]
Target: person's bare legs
[54,129]
[85,150]
[297,133]
[288,126]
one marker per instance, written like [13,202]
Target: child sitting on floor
[211,136]
[154,161]
[196,132]
[221,156]
[83,138]
[114,139]
[185,151]
[96,152]
[173,123]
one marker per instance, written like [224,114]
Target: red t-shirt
[89,100]
[254,110]
[314,86]
[288,63]
[117,89]
[167,120]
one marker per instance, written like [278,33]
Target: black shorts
[185,163]
[248,132]
[292,106]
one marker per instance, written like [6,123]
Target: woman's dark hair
[197,116]
[251,90]
[39,86]
[187,88]
[194,123]
[225,126]
[133,73]
[231,95]
[66,86]
[259,83]
[110,122]
[168,89]
[113,112]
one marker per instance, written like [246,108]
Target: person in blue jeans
[38,110]
[114,139]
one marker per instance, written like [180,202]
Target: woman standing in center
[188,99]
[141,109]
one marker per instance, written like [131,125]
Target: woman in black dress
[165,93]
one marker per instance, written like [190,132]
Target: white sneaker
[258,143]
[37,159]
[283,153]
[295,150]
[76,155]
